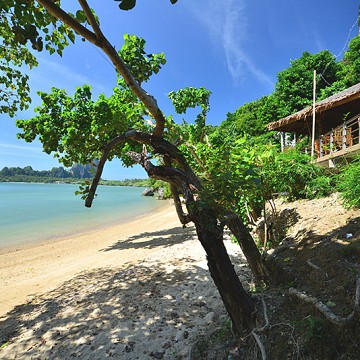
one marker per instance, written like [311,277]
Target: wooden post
[321,146]
[331,142]
[344,137]
[313,122]
[282,141]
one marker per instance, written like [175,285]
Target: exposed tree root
[260,344]
[326,311]
[287,246]
[260,330]
[312,265]
[267,323]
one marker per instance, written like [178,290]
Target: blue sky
[234,48]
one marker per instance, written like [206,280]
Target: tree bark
[238,303]
[248,247]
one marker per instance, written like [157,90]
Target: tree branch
[184,218]
[63,16]
[248,246]
[197,159]
[91,18]
[169,174]
[160,146]
[102,42]
[95,182]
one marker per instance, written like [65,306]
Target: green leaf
[2,346]
[330,304]
[127,4]
[80,16]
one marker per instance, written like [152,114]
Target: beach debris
[167,345]
[129,347]
[157,354]
[210,317]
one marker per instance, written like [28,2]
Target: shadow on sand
[150,240]
[151,310]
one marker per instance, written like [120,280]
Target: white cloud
[53,72]
[15,152]
[227,24]
[19,147]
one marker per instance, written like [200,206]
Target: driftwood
[326,311]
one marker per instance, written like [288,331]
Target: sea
[32,212]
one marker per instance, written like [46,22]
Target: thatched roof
[329,113]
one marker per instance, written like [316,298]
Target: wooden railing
[340,138]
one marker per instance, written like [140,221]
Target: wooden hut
[337,126]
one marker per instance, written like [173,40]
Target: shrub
[320,186]
[349,185]
[294,174]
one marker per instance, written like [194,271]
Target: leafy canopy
[294,88]
[76,128]
[25,28]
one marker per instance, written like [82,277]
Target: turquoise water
[38,212]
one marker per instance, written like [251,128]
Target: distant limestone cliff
[28,174]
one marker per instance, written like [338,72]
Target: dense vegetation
[293,92]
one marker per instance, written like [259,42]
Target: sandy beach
[139,290]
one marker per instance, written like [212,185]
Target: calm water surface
[37,212]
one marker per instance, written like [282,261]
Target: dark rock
[157,354]
[148,192]
[199,303]
[167,345]
[129,347]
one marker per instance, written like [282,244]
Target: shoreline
[67,234]
[40,267]
[35,213]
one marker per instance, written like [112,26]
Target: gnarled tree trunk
[238,303]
